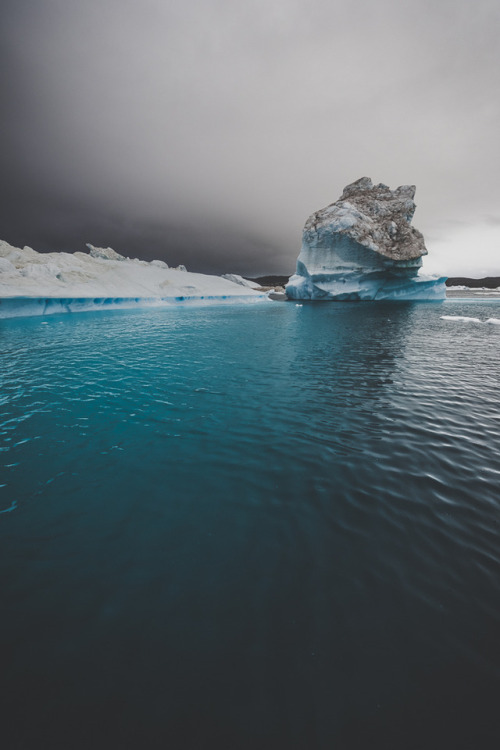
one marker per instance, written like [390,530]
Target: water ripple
[305,497]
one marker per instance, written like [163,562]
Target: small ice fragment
[463,318]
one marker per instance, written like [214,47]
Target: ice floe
[465,319]
[33,283]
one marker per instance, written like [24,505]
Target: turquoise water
[239,527]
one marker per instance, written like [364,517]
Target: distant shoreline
[476,293]
[488,282]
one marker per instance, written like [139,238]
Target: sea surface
[274,526]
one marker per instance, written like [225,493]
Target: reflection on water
[251,528]
[349,369]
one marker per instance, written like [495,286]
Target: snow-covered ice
[34,283]
[236,279]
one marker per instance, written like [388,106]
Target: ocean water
[265,527]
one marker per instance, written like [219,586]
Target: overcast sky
[205,132]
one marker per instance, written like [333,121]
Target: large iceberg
[34,283]
[363,247]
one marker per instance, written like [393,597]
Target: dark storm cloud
[50,221]
[210,130]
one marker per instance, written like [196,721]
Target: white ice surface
[465,319]
[80,281]
[236,279]
[462,318]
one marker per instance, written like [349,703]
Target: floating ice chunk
[465,319]
[277,296]
[462,318]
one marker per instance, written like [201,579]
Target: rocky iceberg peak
[105,253]
[363,246]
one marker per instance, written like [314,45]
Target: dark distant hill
[271,280]
[490,282]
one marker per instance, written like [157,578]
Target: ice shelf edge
[18,307]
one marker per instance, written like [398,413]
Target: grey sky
[206,132]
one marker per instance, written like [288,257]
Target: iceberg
[363,247]
[33,283]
